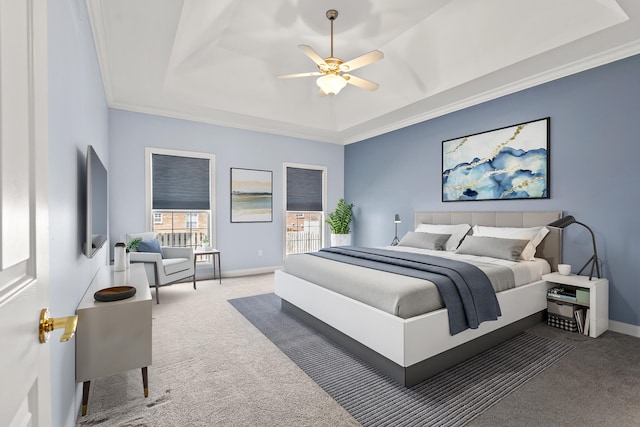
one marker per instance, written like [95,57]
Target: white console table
[115,336]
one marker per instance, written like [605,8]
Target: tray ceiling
[216,61]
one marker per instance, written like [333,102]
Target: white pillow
[533,234]
[457,231]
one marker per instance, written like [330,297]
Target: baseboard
[624,328]
[205,272]
[250,271]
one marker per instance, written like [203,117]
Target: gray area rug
[452,398]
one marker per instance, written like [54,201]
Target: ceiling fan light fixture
[331,84]
[331,80]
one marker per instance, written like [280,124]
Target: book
[563,294]
[562,297]
[587,315]
[579,322]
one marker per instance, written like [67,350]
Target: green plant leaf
[134,243]
[340,218]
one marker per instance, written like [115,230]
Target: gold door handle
[48,324]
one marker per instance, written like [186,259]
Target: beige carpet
[212,367]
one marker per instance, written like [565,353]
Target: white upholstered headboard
[550,248]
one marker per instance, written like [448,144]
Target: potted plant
[339,221]
[133,243]
[131,246]
[205,242]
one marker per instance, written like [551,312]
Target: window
[304,208]
[179,196]
[191,220]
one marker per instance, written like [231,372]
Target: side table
[216,257]
[114,337]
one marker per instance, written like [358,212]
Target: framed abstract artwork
[251,195]
[501,164]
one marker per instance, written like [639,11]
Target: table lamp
[395,239]
[568,220]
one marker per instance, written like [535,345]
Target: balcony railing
[297,241]
[303,241]
[184,239]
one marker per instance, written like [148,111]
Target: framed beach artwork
[502,164]
[251,195]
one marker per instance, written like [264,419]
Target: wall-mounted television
[97,202]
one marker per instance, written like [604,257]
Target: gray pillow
[425,240]
[494,247]
[151,245]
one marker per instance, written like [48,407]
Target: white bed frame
[411,350]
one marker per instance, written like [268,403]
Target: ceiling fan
[332,70]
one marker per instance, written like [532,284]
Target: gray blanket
[466,290]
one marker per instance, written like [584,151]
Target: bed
[412,348]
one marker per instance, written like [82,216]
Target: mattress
[400,295]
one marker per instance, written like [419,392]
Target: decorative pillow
[535,235]
[457,232]
[151,245]
[425,240]
[494,247]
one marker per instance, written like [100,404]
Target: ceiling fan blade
[312,54]
[361,61]
[293,76]
[360,82]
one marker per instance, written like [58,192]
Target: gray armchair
[170,266]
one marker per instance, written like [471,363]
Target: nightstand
[598,298]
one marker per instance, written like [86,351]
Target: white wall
[130,133]
[78,116]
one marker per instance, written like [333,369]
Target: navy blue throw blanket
[465,289]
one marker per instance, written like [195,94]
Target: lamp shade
[331,84]
[397,219]
[562,222]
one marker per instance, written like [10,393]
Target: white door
[25,391]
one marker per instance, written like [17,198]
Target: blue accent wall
[594,154]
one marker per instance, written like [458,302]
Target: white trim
[351,135]
[243,122]
[251,271]
[624,328]
[95,12]
[324,169]
[148,151]
[547,76]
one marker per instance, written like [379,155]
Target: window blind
[304,190]
[180,182]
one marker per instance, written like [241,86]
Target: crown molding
[575,67]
